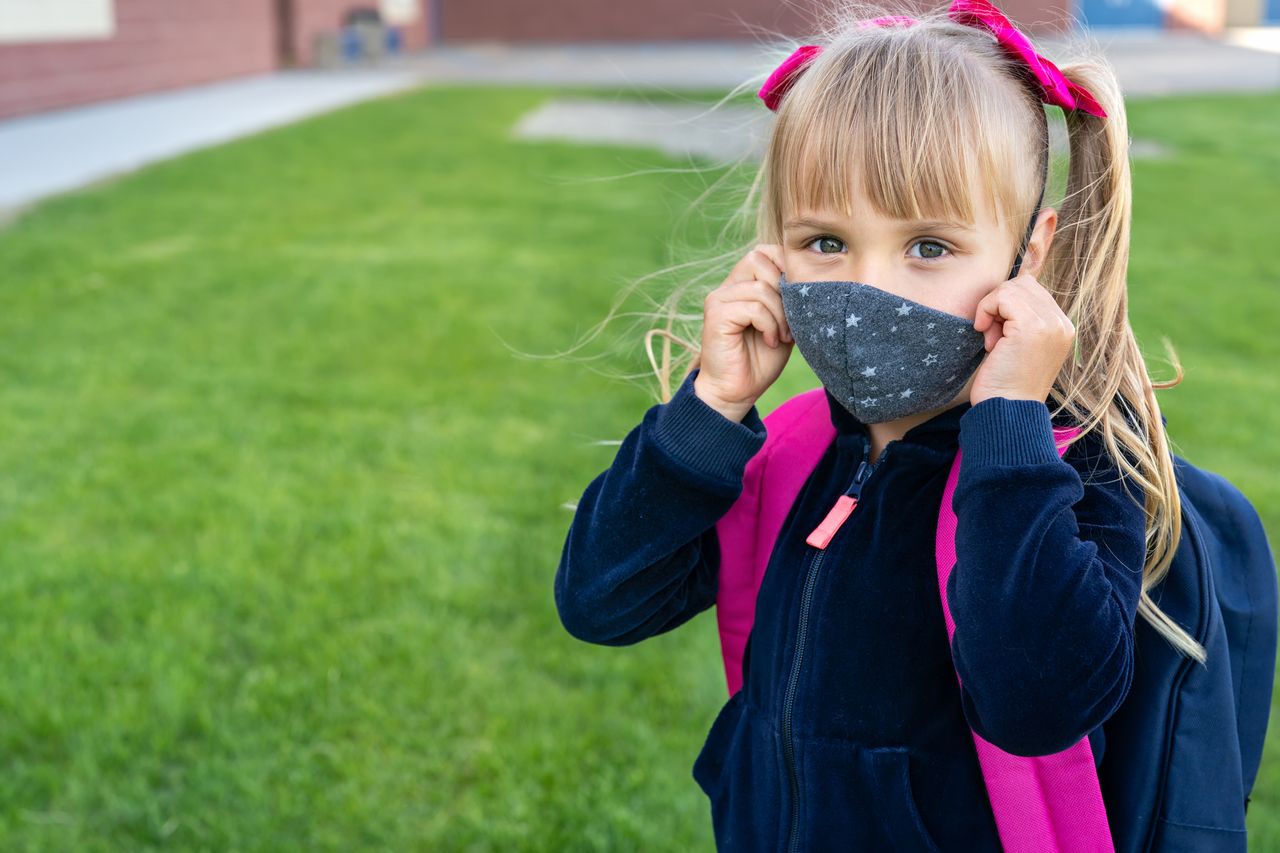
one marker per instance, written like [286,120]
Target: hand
[745,337]
[1028,339]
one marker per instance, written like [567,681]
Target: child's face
[949,267]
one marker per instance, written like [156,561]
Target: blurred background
[289,438]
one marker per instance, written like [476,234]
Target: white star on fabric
[905,394]
[852,320]
[932,339]
[869,372]
[952,376]
[931,359]
[831,331]
[868,401]
[894,329]
[804,290]
[931,325]
[904,309]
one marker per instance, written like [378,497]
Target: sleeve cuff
[701,438]
[1001,431]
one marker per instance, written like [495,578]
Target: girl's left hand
[1028,339]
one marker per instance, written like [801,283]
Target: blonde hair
[925,113]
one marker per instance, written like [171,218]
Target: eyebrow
[919,225]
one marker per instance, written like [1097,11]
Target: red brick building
[590,20]
[60,53]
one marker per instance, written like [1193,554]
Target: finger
[986,311]
[775,254]
[743,270]
[754,314]
[992,335]
[768,295]
[764,261]
[768,260]
[1038,298]
[1001,304]
[766,268]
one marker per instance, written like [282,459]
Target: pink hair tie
[1054,88]
[784,75]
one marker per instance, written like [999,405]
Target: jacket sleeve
[1044,594]
[641,556]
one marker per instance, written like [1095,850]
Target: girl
[903,247]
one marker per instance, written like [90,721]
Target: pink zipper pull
[821,535]
[845,504]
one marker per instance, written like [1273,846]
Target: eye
[933,252]
[826,240]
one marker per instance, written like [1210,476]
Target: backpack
[1147,795]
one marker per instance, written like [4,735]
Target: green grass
[279,511]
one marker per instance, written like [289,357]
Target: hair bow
[1054,88]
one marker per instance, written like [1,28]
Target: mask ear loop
[1044,183]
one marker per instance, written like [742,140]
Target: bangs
[929,133]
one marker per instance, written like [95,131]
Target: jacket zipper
[819,539]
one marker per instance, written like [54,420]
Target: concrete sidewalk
[46,154]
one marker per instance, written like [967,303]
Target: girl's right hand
[745,337]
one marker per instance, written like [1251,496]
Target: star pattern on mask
[869,380]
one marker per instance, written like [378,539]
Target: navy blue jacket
[850,731]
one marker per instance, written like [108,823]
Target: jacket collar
[942,431]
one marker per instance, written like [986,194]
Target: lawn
[280,509]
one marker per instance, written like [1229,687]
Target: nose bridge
[871,257]
[867,271]
[869,265]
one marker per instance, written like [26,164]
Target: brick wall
[168,44]
[593,20]
[158,44]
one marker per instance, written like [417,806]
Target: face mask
[881,356]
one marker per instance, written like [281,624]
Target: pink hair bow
[981,14]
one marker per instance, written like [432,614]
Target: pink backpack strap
[798,432]
[1044,803]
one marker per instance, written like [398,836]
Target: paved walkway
[55,151]
[49,153]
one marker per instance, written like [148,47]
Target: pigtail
[1106,385]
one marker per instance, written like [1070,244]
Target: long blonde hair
[926,112]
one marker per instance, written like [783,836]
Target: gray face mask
[881,356]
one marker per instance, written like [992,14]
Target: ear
[1041,238]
